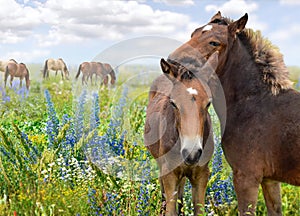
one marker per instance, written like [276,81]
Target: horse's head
[65,69]
[218,35]
[190,98]
[67,73]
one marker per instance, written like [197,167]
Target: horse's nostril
[191,157]
[199,153]
[185,154]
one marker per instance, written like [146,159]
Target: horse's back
[12,66]
[55,64]
[3,64]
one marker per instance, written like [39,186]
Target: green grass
[37,178]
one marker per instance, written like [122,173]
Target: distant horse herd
[12,68]
[260,118]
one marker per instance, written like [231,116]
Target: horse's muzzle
[191,158]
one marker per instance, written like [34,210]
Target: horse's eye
[214,43]
[173,104]
[216,21]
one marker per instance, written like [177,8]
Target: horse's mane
[269,59]
[266,55]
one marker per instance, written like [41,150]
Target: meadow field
[68,149]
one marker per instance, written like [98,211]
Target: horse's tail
[45,68]
[6,74]
[27,78]
[78,73]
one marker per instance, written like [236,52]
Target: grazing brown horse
[261,141]
[56,65]
[17,70]
[3,64]
[178,132]
[88,69]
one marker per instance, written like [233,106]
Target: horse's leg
[105,81]
[246,187]
[91,77]
[163,197]
[5,79]
[271,191]
[82,79]
[62,75]
[86,79]
[180,196]
[199,181]
[170,182]
[21,79]
[11,79]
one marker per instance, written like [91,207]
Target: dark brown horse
[261,140]
[88,69]
[178,132]
[17,70]
[56,65]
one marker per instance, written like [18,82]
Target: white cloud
[70,21]
[77,20]
[233,7]
[28,56]
[286,34]
[16,21]
[289,2]
[176,2]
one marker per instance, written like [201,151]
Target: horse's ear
[238,25]
[209,68]
[167,68]
[213,61]
[217,16]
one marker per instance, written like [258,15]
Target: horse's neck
[241,77]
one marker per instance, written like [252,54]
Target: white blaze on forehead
[192,91]
[207,28]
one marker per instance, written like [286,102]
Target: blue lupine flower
[95,121]
[221,190]
[112,204]
[70,138]
[5,97]
[95,208]
[144,196]
[79,116]
[33,151]
[53,122]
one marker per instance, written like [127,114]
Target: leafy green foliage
[68,149]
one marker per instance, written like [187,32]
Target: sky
[32,31]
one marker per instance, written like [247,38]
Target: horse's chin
[189,164]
